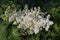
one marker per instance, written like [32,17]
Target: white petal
[14,23]
[47,27]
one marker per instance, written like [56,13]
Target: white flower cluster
[32,19]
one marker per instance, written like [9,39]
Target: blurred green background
[50,6]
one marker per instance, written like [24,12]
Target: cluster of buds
[30,19]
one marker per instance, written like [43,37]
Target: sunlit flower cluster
[30,19]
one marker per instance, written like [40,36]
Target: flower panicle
[32,19]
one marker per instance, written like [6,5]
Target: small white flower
[36,30]
[48,16]
[19,26]
[50,23]
[14,23]
[47,27]
[18,20]
[31,31]
[11,18]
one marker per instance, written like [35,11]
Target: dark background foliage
[50,6]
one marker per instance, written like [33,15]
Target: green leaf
[3,31]
[12,33]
